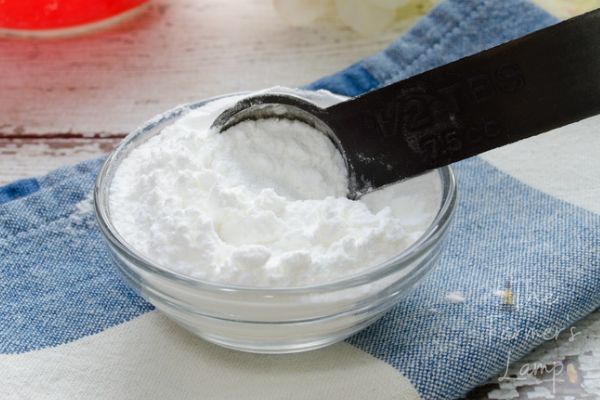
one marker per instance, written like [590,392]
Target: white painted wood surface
[67,100]
[177,51]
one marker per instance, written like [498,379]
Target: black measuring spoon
[530,85]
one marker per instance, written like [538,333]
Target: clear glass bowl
[268,320]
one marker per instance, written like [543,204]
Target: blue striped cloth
[57,285]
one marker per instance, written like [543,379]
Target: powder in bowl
[261,205]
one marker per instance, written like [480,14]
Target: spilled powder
[455,297]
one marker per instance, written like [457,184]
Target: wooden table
[67,100]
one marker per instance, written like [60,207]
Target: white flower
[388,4]
[368,17]
[302,12]
[364,17]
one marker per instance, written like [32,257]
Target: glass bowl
[268,320]
[59,18]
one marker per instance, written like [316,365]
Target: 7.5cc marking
[430,119]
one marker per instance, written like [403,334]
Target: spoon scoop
[522,88]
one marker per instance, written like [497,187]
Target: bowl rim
[429,238]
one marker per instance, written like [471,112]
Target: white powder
[263,204]
[455,297]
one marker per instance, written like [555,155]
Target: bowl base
[288,346]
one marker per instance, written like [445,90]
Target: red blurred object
[59,14]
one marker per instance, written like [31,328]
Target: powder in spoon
[263,204]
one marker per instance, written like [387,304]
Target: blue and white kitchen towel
[528,217]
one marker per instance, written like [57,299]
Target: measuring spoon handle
[539,82]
